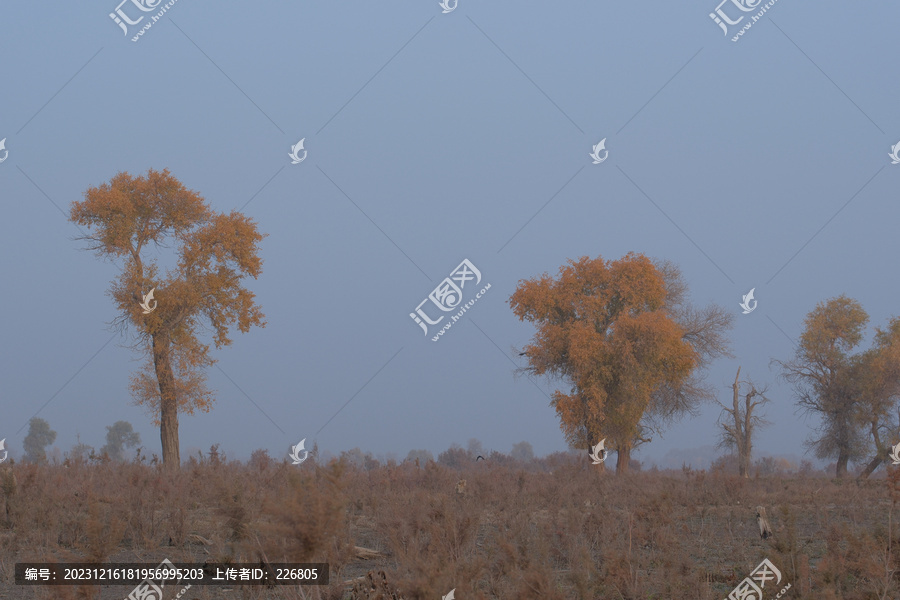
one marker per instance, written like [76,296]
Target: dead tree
[765,531]
[739,423]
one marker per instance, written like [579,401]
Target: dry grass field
[557,528]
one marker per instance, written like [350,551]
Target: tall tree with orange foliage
[856,394]
[879,372]
[828,379]
[623,335]
[130,216]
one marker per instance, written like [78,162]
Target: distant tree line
[631,351]
[119,436]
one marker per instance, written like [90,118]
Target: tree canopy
[855,394]
[623,335]
[120,435]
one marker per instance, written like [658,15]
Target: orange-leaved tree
[879,371]
[854,393]
[623,335]
[132,216]
[827,378]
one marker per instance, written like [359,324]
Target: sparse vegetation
[553,527]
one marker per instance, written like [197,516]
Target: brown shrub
[515,533]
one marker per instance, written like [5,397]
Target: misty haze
[452,301]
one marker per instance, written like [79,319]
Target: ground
[513,531]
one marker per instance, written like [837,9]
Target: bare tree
[738,423]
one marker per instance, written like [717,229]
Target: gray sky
[433,138]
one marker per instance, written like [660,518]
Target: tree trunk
[873,464]
[168,402]
[601,468]
[740,430]
[879,454]
[623,458]
[744,464]
[841,470]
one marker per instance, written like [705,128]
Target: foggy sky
[434,138]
